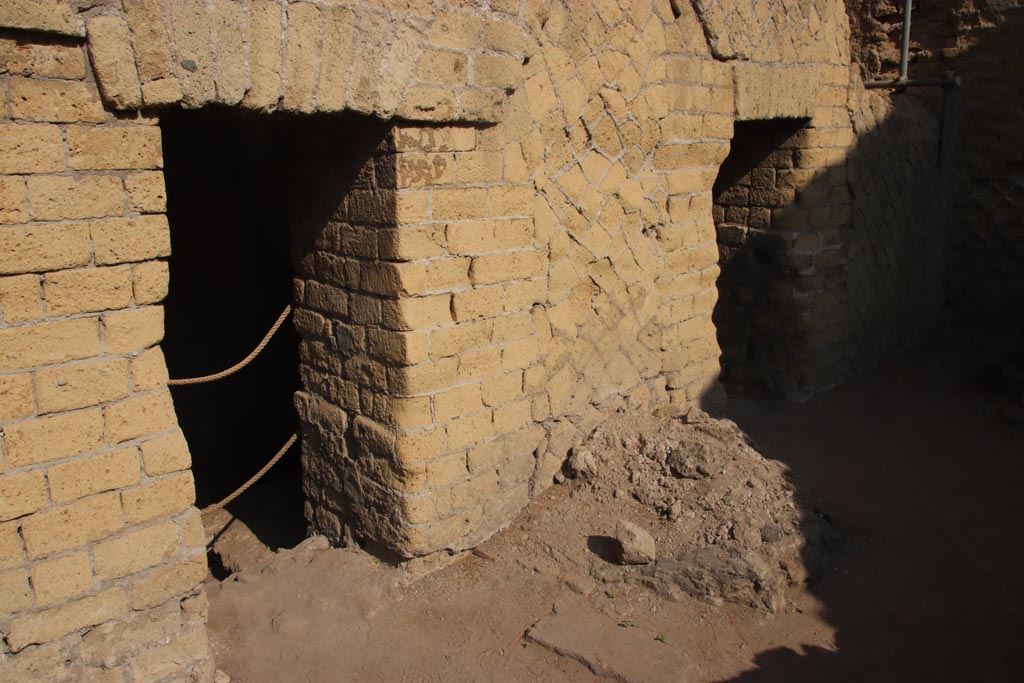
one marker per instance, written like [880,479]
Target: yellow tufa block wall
[101,550]
[534,247]
[552,268]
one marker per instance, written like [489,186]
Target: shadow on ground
[924,480]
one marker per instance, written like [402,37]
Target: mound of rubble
[730,527]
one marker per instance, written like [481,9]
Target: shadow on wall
[826,273]
[918,476]
[987,264]
[245,194]
[756,179]
[983,41]
[342,211]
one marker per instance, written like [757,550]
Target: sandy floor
[919,476]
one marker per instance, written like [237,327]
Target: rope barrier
[256,477]
[242,363]
[226,373]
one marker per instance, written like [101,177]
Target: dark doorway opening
[257,206]
[231,275]
[755,315]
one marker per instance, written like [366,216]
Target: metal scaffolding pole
[949,83]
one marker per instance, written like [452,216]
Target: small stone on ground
[636,546]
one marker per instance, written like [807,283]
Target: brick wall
[813,217]
[101,551]
[897,248]
[566,261]
[982,41]
[527,244]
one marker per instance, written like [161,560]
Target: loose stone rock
[636,546]
[581,465]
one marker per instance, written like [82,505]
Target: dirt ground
[910,465]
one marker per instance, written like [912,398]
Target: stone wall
[983,41]
[898,236]
[812,217]
[521,242]
[101,551]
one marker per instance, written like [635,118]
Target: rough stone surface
[979,41]
[114,62]
[313,58]
[40,15]
[581,465]
[636,545]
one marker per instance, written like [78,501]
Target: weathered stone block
[136,550]
[62,578]
[43,627]
[457,31]
[17,398]
[40,15]
[56,198]
[134,329]
[150,281]
[22,494]
[139,416]
[161,92]
[20,298]
[335,58]
[45,343]
[94,474]
[113,60]
[177,656]
[443,66]
[86,290]
[151,43]
[300,67]
[477,303]
[166,453]
[114,147]
[231,21]
[124,240]
[13,201]
[71,526]
[31,148]
[162,497]
[44,60]
[79,385]
[146,193]
[55,101]
[189,28]
[15,591]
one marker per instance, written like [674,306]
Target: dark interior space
[751,312]
[249,198]
[231,276]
